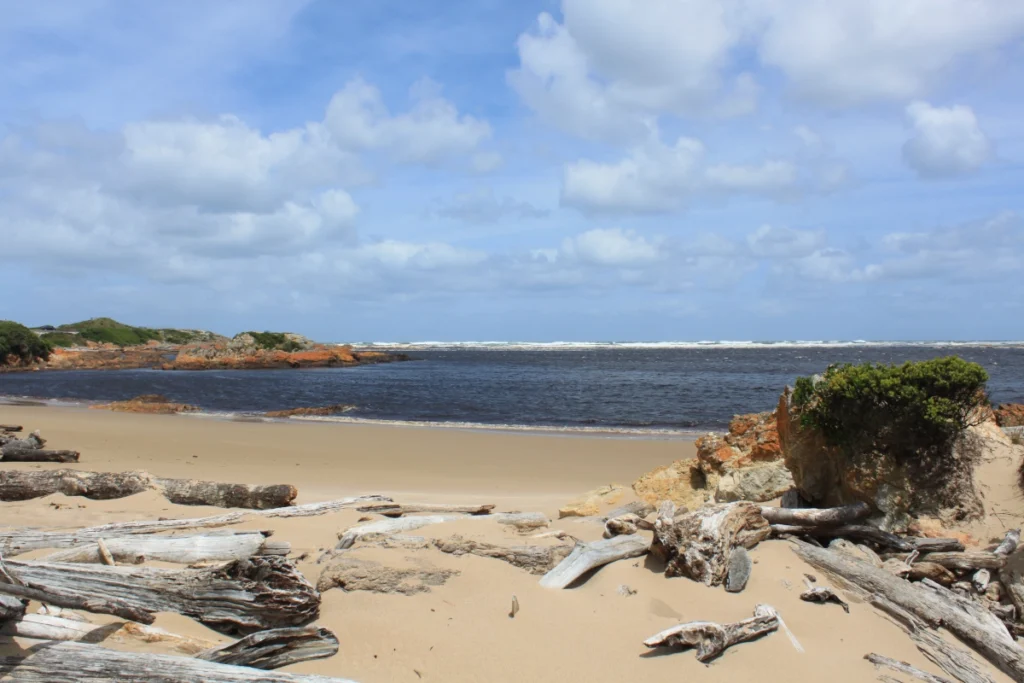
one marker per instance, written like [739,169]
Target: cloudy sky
[531,170]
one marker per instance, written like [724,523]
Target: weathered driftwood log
[10,428]
[97,604]
[966,561]
[636,507]
[50,627]
[904,668]
[919,571]
[388,527]
[536,559]
[587,556]
[740,566]
[31,442]
[822,594]
[712,639]
[1013,582]
[698,544]
[11,608]
[988,639]
[276,648]
[25,485]
[397,510]
[37,455]
[935,545]
[621,525]
[81,663]
[860,532]
[17,541]
[177,549]
[238,597]
[816,516]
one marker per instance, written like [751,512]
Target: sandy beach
[461,631]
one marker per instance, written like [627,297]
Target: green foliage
[121,336]
[913,412]
[102,323]
[62,339]
[274,341]
[108,330]
[19,341]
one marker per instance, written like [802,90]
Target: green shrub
[912,412]
[62,339]
[274,341]
[121,336]
[22,343]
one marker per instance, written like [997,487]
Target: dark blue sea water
[606,387]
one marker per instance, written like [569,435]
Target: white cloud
[779,242]
[484,207]
[946,141]
[659,178]
[611,247]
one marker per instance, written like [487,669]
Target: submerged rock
[155,404]
[315,410]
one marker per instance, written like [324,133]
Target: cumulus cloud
[945,141]
[484,207]
[658,178]
[781,242]
[611,247]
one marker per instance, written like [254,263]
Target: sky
[640,170]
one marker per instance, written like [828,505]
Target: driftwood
[177,549]
[239,597]
[536,559]
[740,566]
[276,648]
[860,532]
[821,594]
[353,574]
[935,545]
[587,556]
[18,541]
[37,455]
[81,663]
[25,485]
[698,544]
[88,603]
[933,605]
[815,516]
[32,442]
[637,507]
[388,527]
[11,608]
[904,668]
[1009,543]
[712,639]
[1014,583]
[622,525]
[49,627]
[10,428]
[966,561]
[919,571]
[396,510]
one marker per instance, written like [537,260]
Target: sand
[460,631]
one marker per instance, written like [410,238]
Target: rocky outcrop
[154,404]
[312,411]
[232,356]
[1010,415]
[828,476]
[592,502]
[744,464]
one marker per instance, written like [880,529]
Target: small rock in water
[626,591]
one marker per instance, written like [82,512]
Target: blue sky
[584,169]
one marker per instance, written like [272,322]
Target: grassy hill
[108,330]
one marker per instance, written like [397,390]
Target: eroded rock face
[744,464]
[593,502]
[1010,415]
[826,476]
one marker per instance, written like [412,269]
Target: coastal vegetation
[273,341]
[20,343]
[110,331]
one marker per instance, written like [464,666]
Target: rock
[589,504]
[759,483]
[826,476]
[315,410]
[682,482]
[1010,415]
[621,526]
[858,552]
[155,404]
[352,574]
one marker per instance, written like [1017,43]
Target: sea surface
[656,389]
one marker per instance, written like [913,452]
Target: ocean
[654,389]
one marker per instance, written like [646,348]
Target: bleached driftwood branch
[712,639]
[176,549]
[388,527]
[587,556]
[699,544]
[536,559]
[397,510]
[815,516]
[276,648]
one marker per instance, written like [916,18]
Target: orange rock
[1010,415]
[148,403]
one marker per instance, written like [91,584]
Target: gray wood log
[536,559]
[927,604]
[935,545]
[712,639]
[636,507]
[1009,543]
[1013,582]
[276,648]
[860,532]
[57,628]
[698,544]
[587,556]
[904,668]
[10,428]
[823,594]
[396,510]
[81,663]
[388,527]
[17,541]
[37,455]
[740,566]
[176,549]
[11,608]
[968,560]
[18,485]
[238,597]
[816,516]
[89,603]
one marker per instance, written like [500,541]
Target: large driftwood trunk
[11,608]
[37,455]
[587,556]
[815,516]
[97,604]
[963,619]
[176,549]
[536,559]
[276,648]
[50,627]
[239,597]
[712,639]
[80,663]
[389,527]
[26,485]
[699,544]
[396,510]
[16,541]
